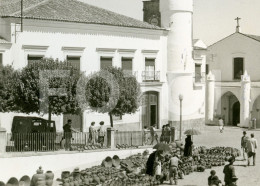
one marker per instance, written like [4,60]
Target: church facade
[162,54]
[233,84]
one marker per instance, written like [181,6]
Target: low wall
[198,124]
[20,166]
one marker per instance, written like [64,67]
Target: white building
[93,38]
[234,81]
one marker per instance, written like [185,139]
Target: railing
[136,138]
[21,142]
[150,76]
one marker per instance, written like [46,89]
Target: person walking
[243,144]
[162,137]
[167,134]
[145,133]
[101,134]
[173,168]
[67,129]
[154,136]
[251,146]
[229,173]
[92,133]
[221,124]
[188,146]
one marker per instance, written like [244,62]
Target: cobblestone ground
[248,176]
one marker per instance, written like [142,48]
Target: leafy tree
[7,80]
[29,85]
[112,91]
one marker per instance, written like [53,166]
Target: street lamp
[180,98]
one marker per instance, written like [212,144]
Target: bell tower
[152,13]
[176,16]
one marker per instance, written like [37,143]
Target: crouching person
[173,169]
[213,179]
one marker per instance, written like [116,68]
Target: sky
[212,19]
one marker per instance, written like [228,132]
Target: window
[32,59]
[149,64]
[127,64]
[197,72]
[74,61]
[1,59]
[106,62]
[207,68]
[238,67]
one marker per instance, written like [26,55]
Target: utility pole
[21,15]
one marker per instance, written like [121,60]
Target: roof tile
[72,11]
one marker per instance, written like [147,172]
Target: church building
[233,83]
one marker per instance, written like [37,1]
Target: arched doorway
[229,109]
[256,111]
[236,113]
[150,109]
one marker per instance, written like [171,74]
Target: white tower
[176,15]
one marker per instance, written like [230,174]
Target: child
[173,168]
[213,179]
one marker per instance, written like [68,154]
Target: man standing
[67,129]
[251,146]
[229,171]
[153,134]
[243,144]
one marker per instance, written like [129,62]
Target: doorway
[150,109]
[236,113]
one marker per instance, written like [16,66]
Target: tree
[114,92]
[40,77]
[7,80]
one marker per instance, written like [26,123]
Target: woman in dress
[188,146]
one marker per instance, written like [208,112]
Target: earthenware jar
[65,174]
[38,178]
[49,176]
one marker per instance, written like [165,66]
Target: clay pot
[65,174]
[12,182]
[66,182]
[38,178]
[49,178]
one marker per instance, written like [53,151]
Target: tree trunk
[49,113]
[111,119]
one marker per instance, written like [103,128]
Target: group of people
[159,162]
[229,175]
[164,138]
[249,146]
[95,136]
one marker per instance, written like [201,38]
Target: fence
[135,138]
[20,142]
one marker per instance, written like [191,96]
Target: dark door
[153,114]
[150,109]
[236,113]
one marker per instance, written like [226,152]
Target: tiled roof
[69,11]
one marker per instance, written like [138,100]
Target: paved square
[247,176]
